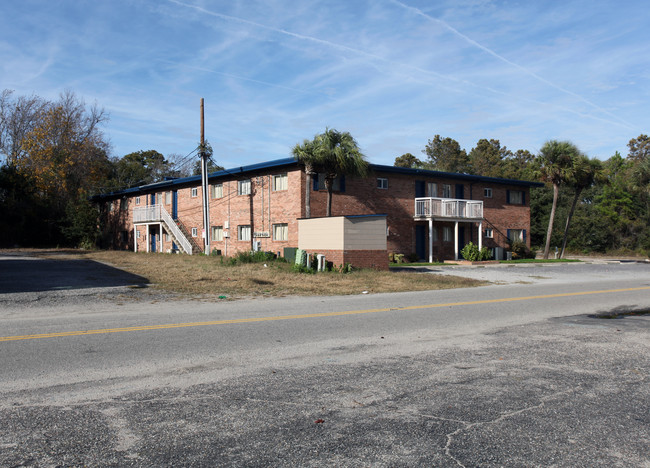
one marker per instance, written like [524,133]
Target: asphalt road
[516,374]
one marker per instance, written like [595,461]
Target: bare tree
[18,117]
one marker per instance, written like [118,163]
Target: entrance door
[153,241]
[175,204]
[460,191]
[421,241]
[461,240]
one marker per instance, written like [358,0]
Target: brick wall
[375,259]
[361,196]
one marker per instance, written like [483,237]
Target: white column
[147,241]
[135,238]
[480,235]
[161,237]
[456,240]
[430,240]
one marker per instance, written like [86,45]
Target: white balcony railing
[448,208]
[157,213]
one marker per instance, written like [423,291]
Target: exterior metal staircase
[158,214]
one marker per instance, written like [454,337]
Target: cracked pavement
[562,392]
[504,383]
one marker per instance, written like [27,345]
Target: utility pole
[204,184]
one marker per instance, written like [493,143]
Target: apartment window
[244,187]
[281,232]
[137,234]
[517,235]
[124,204]
[111,206]
[124,237]
[487,192]
[446,234]
[217,190]
[516,197]
[434,234]
[168,198]
[195,232]
[489,233]
[338,185]
[167,237]
[244,232]
[432,189]
[446,191]
[195,192]
[137,200]
[280,182]
[217,233]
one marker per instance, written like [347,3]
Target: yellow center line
[307,316]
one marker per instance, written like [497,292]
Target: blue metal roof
[277,163]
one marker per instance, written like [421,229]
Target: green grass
[418,264]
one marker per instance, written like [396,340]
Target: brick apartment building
[428,213]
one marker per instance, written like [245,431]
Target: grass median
[213,276]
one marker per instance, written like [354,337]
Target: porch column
[161,237]
[456,241]
[480,235]
[135,238]
[147,240]
[430,240]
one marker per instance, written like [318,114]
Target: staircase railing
[153,213]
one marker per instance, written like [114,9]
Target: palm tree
[584,173]
[339,155]
[306,155]
[556,160]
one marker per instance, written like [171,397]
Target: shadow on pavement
[32,275]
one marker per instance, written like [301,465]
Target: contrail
[512,64]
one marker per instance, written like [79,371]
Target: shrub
[471,253]
[521,250]
[251,257]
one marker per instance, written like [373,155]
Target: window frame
[432,189]
[382,183]
[489,233]
[446,191]
[214,193]
[447,234]
[194,192]
[217,233]
[284,178]
[240,229]
[520,238]
[487,192]
[285,231]
[195,232]
[168,198]
[244,183]
[519,193]
[137,200]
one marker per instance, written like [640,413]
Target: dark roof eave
[197,178]
[452,175]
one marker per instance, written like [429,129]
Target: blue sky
[392,73]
